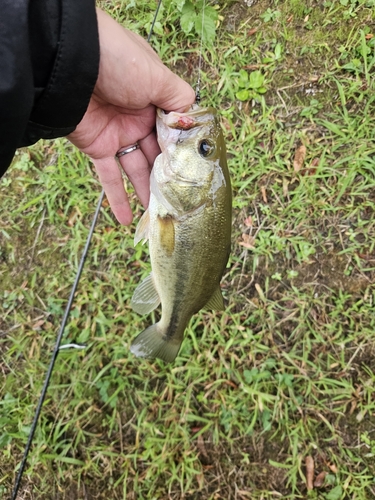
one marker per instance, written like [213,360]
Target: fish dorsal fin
[216,302]
[141,232]
[145,298]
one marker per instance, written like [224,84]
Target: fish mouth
[195,117]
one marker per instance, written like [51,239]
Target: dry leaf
[360,416]
[251,66]
[306,19]
[62,241]
[264,194]
[248,221]
[38,325]
[196,429]
[105,203]
[252,31]
[200,480]
[201,447]
[353,406]
[232,384]
[369,36]
[260,292]
[312,170]
[319,480]
[333,468]
[247,241]
[254,301]
[285,187]
[72,219]
[299,158]
[309,462]
[244,494]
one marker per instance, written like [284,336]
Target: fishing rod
[56,350]
[58,347]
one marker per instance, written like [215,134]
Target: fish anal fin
[145,298]
[141,232]
[216,302]
[167,234]
[152,343]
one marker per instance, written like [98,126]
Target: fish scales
[188,224]
[178,274]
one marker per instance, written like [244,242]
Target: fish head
[192,165]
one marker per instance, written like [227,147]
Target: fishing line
[154,21]
[58,346]
[198,87]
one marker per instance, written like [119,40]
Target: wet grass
[286,375]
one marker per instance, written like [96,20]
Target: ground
[274,397]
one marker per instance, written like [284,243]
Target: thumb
[173,93]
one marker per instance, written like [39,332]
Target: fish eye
[205,148]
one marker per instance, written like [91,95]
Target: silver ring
[128,150]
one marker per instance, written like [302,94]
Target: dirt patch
[327,270]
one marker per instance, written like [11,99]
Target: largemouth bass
[188,225]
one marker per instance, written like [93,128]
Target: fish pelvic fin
[145,298]
[153,343]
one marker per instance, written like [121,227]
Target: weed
[270,15]
[250,86]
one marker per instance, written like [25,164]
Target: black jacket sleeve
[49,61]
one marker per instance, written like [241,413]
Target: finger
[111,179]
[173,93]
[137,169]
[150,148]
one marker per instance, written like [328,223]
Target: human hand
[132,82]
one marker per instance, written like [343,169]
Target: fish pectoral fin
[141,232]
[152,343]
[167,234]
[216,302]
[145,298]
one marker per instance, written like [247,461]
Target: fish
[188,226]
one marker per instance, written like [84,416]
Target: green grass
[288,370]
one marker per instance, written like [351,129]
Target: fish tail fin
[153,343]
